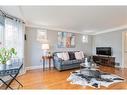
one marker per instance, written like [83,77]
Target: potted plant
[6,55]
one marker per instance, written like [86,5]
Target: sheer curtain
[1,30]
[1,35]
[14,36]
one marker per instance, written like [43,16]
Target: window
[85,39]
[1,35]
[1,31]
[14,36]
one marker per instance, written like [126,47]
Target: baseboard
[118,67]
[23,72]
[34,67]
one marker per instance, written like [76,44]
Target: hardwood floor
[53,79]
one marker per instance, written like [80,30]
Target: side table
[47,59]
[13,70]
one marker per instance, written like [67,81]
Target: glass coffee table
[93,66]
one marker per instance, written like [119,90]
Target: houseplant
[6,55]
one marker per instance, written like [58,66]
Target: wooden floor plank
[53,79]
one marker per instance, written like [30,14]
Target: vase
[87,63]
[2,66]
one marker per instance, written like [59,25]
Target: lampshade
[45,46]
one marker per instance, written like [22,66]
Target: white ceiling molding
[22,14]
[49,28]
[88,33]
[112,30]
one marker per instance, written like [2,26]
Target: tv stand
[104,60]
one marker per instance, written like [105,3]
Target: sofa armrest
[55,57]
[57,62]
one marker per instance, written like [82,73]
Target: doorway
[124,49]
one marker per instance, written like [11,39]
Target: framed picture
[66,40]
[42,35]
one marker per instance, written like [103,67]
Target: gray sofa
[60,64]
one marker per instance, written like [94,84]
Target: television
[104,51]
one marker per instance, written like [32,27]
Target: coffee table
[93,66]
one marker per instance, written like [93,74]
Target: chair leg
[7,86]
[16,80]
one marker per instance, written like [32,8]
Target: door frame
[123,49]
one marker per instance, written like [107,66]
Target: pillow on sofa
[78,55]
[82,54]
[65,56]
[71,55]
[60,55]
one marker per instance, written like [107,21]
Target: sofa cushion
[71,55]
[67,62]
[76,61]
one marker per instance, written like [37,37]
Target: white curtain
[1,35]
[1,30]
[14,36]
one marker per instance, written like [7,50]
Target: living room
[55,42]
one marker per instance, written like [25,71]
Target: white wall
[110,39]
[34,51]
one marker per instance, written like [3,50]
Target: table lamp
[45,47]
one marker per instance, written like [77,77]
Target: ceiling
[81,19]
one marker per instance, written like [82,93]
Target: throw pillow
[71,55]
[65,56]
[82,54]
[78,55]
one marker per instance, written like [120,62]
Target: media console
[104,60]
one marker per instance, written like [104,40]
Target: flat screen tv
[104,51]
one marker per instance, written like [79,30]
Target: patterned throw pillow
[65,56]
[82,54]
[78,55]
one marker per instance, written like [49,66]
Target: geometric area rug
[94,78]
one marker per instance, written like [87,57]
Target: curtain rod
[10,16]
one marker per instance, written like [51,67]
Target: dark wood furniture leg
[49,63]
[43,63]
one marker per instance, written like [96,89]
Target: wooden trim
[34,67]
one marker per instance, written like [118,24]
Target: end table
[47,59]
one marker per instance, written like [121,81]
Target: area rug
[94,78]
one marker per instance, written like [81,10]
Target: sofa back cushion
[71,55]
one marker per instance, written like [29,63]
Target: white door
[124,49]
